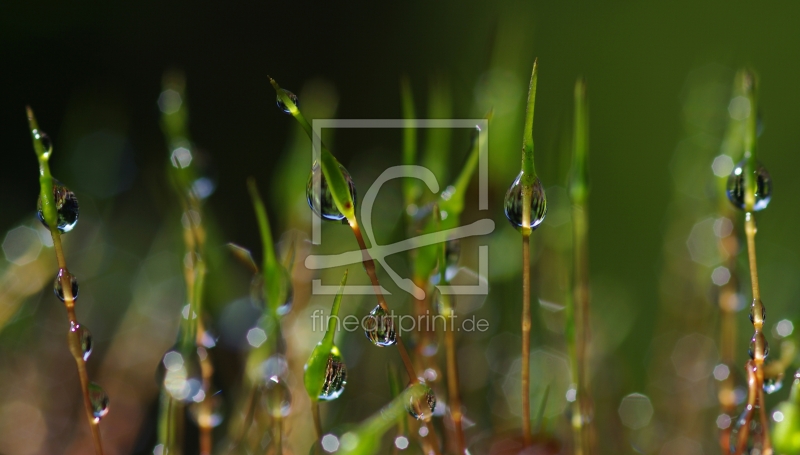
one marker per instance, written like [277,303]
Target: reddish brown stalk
[526,338]
[317,420]
[755,367]
[453,388]
[369,266]
[204,419]
[74,340]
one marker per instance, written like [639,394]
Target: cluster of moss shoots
[185,371]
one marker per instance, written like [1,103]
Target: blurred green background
[659,78]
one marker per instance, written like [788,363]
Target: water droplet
[763,186]
[292,97]
[758,339]
[99,401]
[47,143]
[379,328]
[772,385]
[513,203]
[747,416]
[443,304]
[58,289]
[276,399]
[422,408]
[212,419]
[322,204]
[257,292]
[84,338]
[181,375]
[452,252]
[753,309]
[335,377]
[66,208]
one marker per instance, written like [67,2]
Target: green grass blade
[275,290]
[316,366]
[528,168]
[337,184]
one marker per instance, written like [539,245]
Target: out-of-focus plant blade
[436,153]
[275,290]
[786,433]
[579,174]
[451,202]
[244,256]
[411,189]
[366,438]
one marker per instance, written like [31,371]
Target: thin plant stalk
[756,393]
[526,336]
[250,412]
[277,428]
[50,214]
[174,125]
[528,176]
[448,311]
[369,266]
[317,419]
[579,191]
[206,407]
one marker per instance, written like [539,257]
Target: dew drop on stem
[753,309]
[84,338]
[282,106]
[257,295]
[379,328]
[66,208]
[736,189]
[758,341]
[99,400]
[513,203]
[276,398]
[335,376]
[213,419]
[180,374]
[322,203]
[421,408]
[47,143]
[772,385]
[58,288]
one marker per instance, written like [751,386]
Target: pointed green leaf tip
[579,174]
[528,170]
[749,85]
[45,179]
[316,368]
[337,184]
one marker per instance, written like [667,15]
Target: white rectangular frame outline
[482,288]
